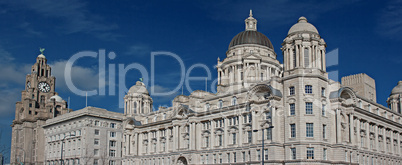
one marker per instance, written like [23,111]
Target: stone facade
[39,102]
[89,136]
[300,115]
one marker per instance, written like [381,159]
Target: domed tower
[395,98]
[250,59]
[137,100]
[303,48]
[305,86]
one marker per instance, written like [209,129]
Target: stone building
[282,113]
[288,113]
[39,102]
[90,136]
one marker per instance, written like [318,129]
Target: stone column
[376,144]
[140,144]
[158,142]
[212,137]
[241,140]
[254,127]
[193,137]
[175,138]
[225,132]
[358,132]
[323,60]
[198,136]
[351,130]
[338,126]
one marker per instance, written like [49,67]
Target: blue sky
[366,34]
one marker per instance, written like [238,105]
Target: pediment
[252,57]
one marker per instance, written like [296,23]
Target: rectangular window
[291,90]
[269,134]
[292,130]
[95,161]
[234,138]
[112,143]
[112,134]
[207,141]
[202,159]
[258,155]
[220,140]
[112,125]
[96,132]
[228,155]
[112,162]
[309,130]
[323,110]
[324,154]
[323,92]
[308,89]
[220,158]
[250,118]
[265,154]
[262,76]
[324,131]
[309,108]
[234,157]
[215,158]
[306,58]
[249,136]
[293,153]
[310,153]
[96,152]
[112,153]
[292,109]
[96,141]
[244,156]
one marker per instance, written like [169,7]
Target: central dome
[251,37]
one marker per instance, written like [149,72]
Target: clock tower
[39,102]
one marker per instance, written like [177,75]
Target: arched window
[306,58]
[234,100]
[142,107]
[42,99]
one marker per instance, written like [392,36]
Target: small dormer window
[234,100]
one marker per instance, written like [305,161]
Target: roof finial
[251,13]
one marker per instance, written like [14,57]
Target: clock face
[44,87]
[28,85]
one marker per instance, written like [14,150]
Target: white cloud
[11,82]
[72,16]
[389,22]
[158,89]
[83,78]
[138,50]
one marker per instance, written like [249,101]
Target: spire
[251,22]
